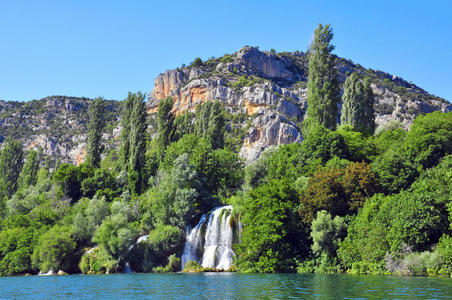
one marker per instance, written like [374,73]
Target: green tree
[197,148]
[271,237]
[174,200]
[26,199]
[326,233]
[197,62]
[320,146]
[220,169]
[126,111]
[134,141]
[223,172]
[395,170]
[360,147]
[69,177]
[358,105]
[94,147]
[387,224]
[116,234]
[210,123]
[429,139]
[163,241]
[11,163]
[102,183]
[165,126]
[29,174]
[98,260]
[386,139]
[16,248]
[54,249]
[323,84]
[183,125]
[256,171]
[86,222]
[444,249]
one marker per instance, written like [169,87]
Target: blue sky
[107,48]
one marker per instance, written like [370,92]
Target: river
[224,286]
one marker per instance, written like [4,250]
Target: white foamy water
[210,242]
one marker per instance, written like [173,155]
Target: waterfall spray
[210,242]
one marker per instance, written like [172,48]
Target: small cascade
[194,242]
[127,268]
[210,242]
[49,273]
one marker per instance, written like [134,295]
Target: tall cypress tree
[29,174]
[369,107]
[183,124]
[323,84]
[11,163]
[125,132]
[137,143]
[216,127]
[165,126]
[202,118]
[210,123]
[94,148]
[358,105]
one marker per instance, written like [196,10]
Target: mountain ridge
[271,89]
[267,88]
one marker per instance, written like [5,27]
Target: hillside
[270,88]
[57,125]
[266,91]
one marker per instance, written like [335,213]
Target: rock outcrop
[55,125]
[271,89]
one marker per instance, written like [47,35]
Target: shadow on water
[226,286]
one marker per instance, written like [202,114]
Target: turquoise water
[224,286]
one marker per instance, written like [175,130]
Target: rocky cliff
[271,89]
[267,89]
[56,125]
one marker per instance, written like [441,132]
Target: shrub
[97,261]
[164,241]
[196,63]
[192,267]
[326,233]
[430,139]
[115,235]
[444,249]
[54,250]
[174,265]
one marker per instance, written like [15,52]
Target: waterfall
[127,268]
[210,242]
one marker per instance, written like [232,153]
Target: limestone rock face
[56,126]
[268,88]
[266,65]
[268,128]
[167,82]
[271,89]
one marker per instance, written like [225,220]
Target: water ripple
[225,286]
